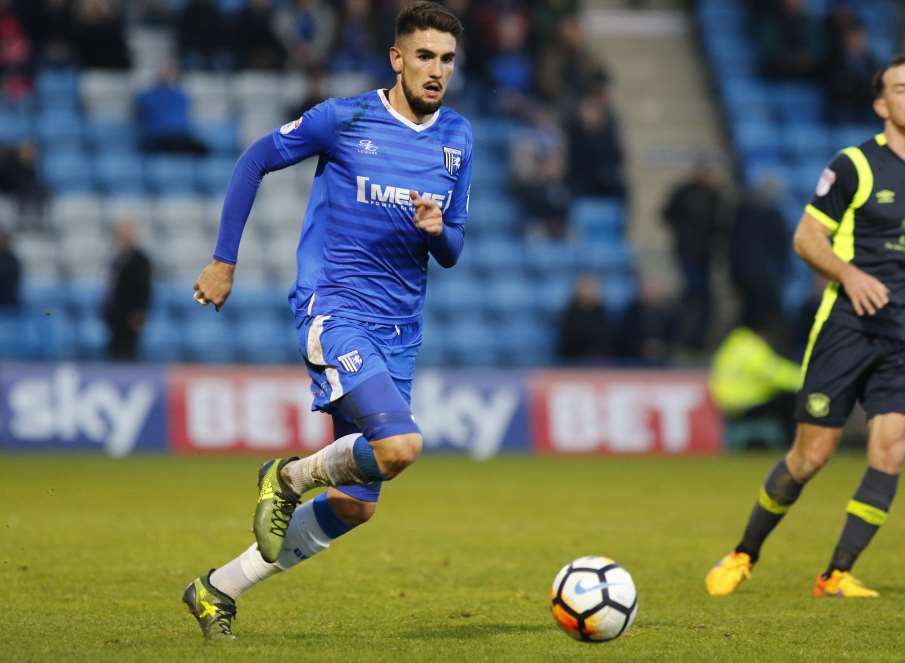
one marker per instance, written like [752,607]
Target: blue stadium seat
[618,293]
[549,258]
[120,173]
[174,298]
[598,220]
[457,294]
[497,212]
[265,340]
[83,298]
[161,339]
[58,88]
[92,337]
[209,338]
[526,341]
[808,142]
[168,175]
[111,136]
[58,337]
[17,338]
[15,125]
[758,140]
[553,294]
[490,256]
[433,350]
[255,299]
[59,126]
[67,172]
[221,137]
[611,259]
[214,175]
[508,295]
[469,342]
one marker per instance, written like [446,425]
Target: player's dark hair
[427,16]
[879,84]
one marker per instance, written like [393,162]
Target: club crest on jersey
[289,127]
[351,361]
[452,159]
[827,179]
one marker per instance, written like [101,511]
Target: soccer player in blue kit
[391,189]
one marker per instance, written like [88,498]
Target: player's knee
[351,511]
[809,454]
[396,453]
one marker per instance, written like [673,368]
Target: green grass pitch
[456,566]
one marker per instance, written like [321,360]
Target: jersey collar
[404,120]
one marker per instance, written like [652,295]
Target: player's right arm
[821,221]
[293,142]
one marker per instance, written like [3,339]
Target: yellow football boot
[727,574]
[843,585]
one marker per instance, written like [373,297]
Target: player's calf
[812,449]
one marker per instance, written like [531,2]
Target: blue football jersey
[360,254]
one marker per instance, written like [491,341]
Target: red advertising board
[223,410]
[624,412]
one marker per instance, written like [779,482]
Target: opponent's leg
[868,508]
[813,447]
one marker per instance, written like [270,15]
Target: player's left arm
[446,232]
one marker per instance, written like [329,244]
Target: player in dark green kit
[853,233]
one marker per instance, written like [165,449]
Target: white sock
[243,573]
[334,465]
[304,538]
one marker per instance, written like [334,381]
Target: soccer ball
[593,599]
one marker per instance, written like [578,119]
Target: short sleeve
[457,213]
[835,192]
[313,133]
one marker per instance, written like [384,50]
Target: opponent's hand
[428,217]
[214,284]
[867,293]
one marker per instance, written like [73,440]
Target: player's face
[424,62]
[891,106]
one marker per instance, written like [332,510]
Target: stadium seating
[499,305]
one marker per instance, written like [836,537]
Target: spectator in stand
[15,54]
[99,36]
[20,181]
[256,40]
[129,294]
[585,334]
[849,79]
[647,332]
[163,116]
[546,201]
[307,30]
[202,36]
[595,152]
[10,274]
[693,213]
[318,91]
[49,24]
[792,42]
[511,68]
[759,246]
[567,69]
[356,48]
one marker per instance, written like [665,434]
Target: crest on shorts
[452,159]
[351,361]
[818,405]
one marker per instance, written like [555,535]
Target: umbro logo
[351,361]
[367,146]
[886,197]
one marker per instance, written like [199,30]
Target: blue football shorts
[348,361]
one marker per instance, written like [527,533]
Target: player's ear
[396,59]
[880,108]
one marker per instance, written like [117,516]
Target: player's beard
[418,105]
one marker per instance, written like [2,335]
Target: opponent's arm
[444,241]
[811,242]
